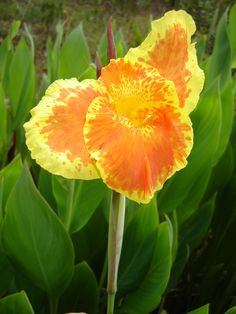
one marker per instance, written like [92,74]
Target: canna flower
[131,127]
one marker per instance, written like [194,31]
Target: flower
[131,127]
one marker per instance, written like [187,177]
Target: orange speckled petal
[137,134]
[54,134]
[168,48]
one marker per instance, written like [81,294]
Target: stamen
[148,117]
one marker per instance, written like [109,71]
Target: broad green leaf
[86,196]
[173,225]
[137,250]
[20,64]
[82,294]
[30,38]
[89,73]
[220,60]
[193,230]
[148,295]
[10,175]
[37,297]
[121,46]
[231,311]
[90,243]
[6,47]
[202,310]
[14,29]
[15,304]
[45,187]
[3,126]
[74,57]
[221,173]
[35,240]
[21,88]
[227,112]
[4,53]
[231,33]
[185,185]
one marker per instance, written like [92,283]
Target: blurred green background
[132,16]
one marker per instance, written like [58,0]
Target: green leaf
[82,294]
[14,29]
[21,88]
[148,295]
[227,112]
[10,175]
[221,173]
[15,304]
[35,240]
[18,65]
[231,33]
[89,73]
[121,46]
[193,230]
[173,225]
[74,57]
[85,199]
[137,250]
[6,47]
[202,310]
[45,187]
[220,61]
[3,126]
[37,297]
[231,311]
[90,243]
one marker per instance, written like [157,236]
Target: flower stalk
[117,212]
[115,239]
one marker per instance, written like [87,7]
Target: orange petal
[54,134]
[168,48]
[138,135]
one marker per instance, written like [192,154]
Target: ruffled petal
[137,134]
[54,134]
[168,48]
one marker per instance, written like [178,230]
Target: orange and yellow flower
[130,127]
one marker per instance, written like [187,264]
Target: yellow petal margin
[54,134]
[137,133]
[168,48]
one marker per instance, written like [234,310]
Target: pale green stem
[115,239]
[53,302]
[69,209]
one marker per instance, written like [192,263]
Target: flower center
[135,109]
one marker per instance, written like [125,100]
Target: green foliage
[202,310]
[53,231]
[37,232]
[15,304]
